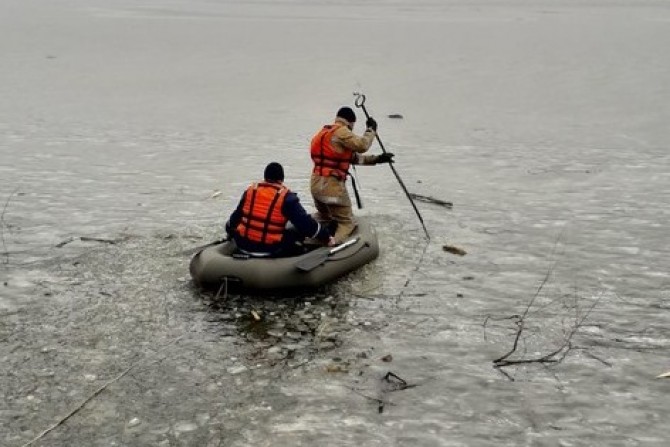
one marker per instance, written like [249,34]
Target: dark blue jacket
[305,226]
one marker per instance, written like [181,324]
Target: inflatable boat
[222,263]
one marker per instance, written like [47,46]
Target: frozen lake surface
[128,132]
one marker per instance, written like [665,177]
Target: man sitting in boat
[259,223]
[334,148]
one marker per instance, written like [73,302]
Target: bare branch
[3,224]
[97,392]
[569,324]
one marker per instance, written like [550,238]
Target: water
[545,124]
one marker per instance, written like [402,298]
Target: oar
[360,102]
[319,256]
[195,250]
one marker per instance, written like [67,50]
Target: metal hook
[360,99]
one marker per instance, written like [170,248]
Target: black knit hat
[274,172]
[347,114]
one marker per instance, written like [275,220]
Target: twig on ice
[3,224]
[87,239]
[558,354]
[98,239]
[381,403]
[95,394]
[432,200]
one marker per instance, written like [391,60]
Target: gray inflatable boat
[220,264]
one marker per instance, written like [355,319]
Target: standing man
[334,148]
[259,223]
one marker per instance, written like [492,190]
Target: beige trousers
[332,203]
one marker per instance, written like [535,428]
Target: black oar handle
[360,102]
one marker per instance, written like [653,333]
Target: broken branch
[434,201]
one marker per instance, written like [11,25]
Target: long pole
[353,184]
[360,102]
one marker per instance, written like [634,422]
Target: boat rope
[224,287]
[410,276]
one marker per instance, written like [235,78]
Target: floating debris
[65,242]
[326,345]
[394,382]
[294,346]
[455,250]
[434,201]
[185,426]
[98,239]
[89,239]
[664,375]
[396,116]
[387,358]
[202,418]
[216,194]
[294,335]
[337,368]
[234,370]
[255,314]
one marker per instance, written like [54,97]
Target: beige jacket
[331,190]
[345,138]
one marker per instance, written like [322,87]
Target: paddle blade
[312,260]
[192,251]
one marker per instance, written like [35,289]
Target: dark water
[546,126]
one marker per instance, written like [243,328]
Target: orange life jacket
[328,161]
[262,220]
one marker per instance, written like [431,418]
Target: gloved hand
[386,157]
[371,124]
